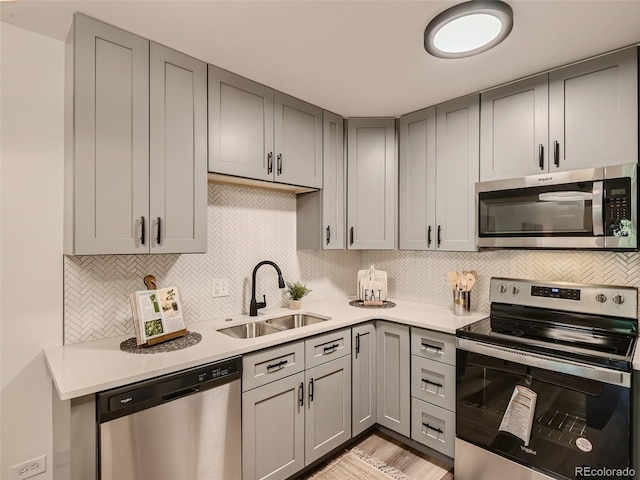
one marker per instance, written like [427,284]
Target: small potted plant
[296,291]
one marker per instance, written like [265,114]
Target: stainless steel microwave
[589,209]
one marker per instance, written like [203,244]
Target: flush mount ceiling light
[468,28]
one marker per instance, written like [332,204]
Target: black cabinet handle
[429,236]
[432,428]
[541,156]
[158,236]
[270,162]
[142,230]
[278,365]
[439,239]
[556,154]
[357,344]
[328,234]
[351,236]
[436,384]
[301,394]
[427,345]
[311,390]
[331,348]
[279,164]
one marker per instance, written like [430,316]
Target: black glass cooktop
[591,339]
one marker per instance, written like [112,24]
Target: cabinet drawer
[433,426]
[272,364]
[434,345]
[322,348]
[433,382]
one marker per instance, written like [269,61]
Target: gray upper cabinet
[457,171]
[514,133]
[258,133]
[581,116]
[298,142]
[178,152]
[240,126]
[372,173]
[593,112]
[321,215]
[438,171]
[107,144]
[135,168]
[417,192]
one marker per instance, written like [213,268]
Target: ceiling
[356,58]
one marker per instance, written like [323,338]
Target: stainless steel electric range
[544,383]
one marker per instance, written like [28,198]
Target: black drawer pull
[429,382]
[331,348]
[432,428]
[277,365]
[434,347]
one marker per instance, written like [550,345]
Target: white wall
[31,201]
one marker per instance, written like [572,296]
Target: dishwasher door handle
[179,394]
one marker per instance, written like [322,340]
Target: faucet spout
[255,305]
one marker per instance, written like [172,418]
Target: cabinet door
[334,183]
[273,429]
[514,129]
[593,112]
[320,215]
[111,140]
[364,383]
[372,183]
[298,142]
[457,170]
[328,409]
[240,126]
[417,196]
[393,400]
[178,152]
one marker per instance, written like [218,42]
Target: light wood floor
[414,464]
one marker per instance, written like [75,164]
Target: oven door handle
[597,212]
[568,367]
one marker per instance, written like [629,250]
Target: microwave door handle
[597,211]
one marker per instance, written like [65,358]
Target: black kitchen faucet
[253,308]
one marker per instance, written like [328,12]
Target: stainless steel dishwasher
[185,425]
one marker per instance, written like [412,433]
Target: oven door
[579,425]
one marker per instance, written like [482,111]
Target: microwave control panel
[617,205]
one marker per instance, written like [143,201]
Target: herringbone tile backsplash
[249,225]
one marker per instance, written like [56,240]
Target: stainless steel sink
[249,330]
[294,321]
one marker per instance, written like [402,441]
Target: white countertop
[85,368]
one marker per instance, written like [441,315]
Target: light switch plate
[220,287]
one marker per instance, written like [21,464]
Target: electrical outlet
[30,468]
[220,287]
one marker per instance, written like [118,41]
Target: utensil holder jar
[461,302]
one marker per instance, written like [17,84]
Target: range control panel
[555,292]
[612,300]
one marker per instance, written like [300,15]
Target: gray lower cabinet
[273,429]
[364,384]
[581,116]
[393,383]
[258,133]
[291,416]
[372,189]
[135,146]
[328,407]
[433,390]
[321,215]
